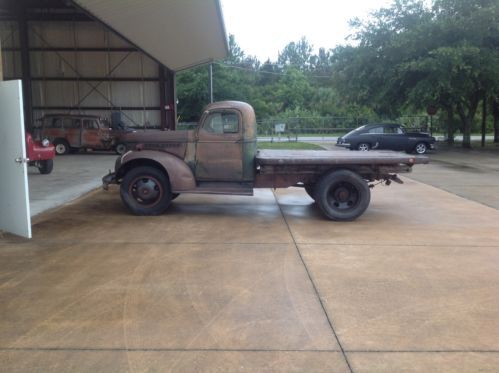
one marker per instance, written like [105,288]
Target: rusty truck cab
[225,143]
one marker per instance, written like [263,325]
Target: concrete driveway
[470,173]
[258,283]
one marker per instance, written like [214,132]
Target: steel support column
[25,62]
[170,99]
[162,96]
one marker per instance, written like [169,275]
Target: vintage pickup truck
[220,157]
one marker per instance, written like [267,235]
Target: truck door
[219,147]
[91,134]
[72,131]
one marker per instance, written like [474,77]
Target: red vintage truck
[220,157]
[40,154]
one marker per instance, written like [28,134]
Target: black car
[386,136]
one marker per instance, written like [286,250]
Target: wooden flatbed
[336,157]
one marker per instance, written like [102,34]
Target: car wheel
[310,189]
[363,146]
[120,148]
[342,195]
[421,148]
[61,147]
[45,167]
[146,191]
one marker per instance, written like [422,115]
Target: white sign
[280,127]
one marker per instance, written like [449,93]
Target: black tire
[342,195]
[310,189]
[45,167]
[421,148]
[364,146]
[146,190]
[120,148]
[61,147]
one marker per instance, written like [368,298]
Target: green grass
[292,145]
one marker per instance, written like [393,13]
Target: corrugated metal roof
[178,33]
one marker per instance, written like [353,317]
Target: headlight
[45,142]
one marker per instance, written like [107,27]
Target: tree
[412,56]
[297,55]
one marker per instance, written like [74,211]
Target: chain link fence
[292,128]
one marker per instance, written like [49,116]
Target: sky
[262,28]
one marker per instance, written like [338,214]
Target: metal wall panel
[54,34]
[90,35]
[60,71]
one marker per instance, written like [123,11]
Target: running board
[235,189]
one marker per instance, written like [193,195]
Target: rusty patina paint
[180,175]
[224,156]
[173,142]
[79,131]
[227,156]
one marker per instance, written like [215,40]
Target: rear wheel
[363,146]
[342,195]
[146,191]
[45,167]
[61,147]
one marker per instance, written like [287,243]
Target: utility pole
[211,83]
[484,120]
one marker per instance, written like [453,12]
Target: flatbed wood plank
[336,157]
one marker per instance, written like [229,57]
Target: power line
[266,72]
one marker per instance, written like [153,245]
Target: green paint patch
[291,145]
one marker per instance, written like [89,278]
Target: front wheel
[120,148]
[421,148]
[342,195]
[45,167]
[146,191]
[363,146]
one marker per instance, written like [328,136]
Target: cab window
[222,122]
[56,123]
[67,123]
[90,124]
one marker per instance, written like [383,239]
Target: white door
[14,197]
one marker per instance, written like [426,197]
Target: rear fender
[180,175]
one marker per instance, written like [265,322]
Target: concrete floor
[258,283]
[73,176]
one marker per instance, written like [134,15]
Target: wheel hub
[343,196]
[146,190]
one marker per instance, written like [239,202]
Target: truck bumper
[109,179]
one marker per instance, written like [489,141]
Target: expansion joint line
[329,320]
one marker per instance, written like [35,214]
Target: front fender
[179,173]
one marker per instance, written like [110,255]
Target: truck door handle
[22,160]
